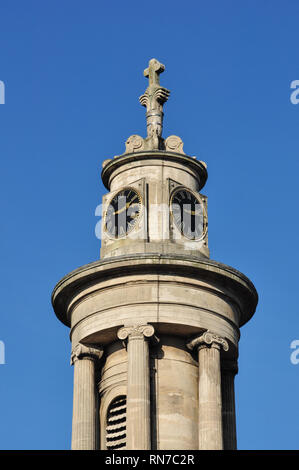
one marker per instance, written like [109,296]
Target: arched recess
[113,413]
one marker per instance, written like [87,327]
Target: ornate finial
[153,99]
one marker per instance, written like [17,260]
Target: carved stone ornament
[173,143]
[80,352]
[153,99]
[135,332]
[208,339]
[134,143]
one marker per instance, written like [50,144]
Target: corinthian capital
[136,332]
[208,339]
[80,352]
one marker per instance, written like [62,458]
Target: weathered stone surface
[177,391]
[134,143]
[153,99]
[210,427]
[173,143]
[155,231]
[138,385]
[85,419]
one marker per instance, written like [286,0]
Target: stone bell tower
[155,323]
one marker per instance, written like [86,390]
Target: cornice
[179,265]
[162,155]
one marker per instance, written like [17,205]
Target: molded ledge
[162,155]
[177,265]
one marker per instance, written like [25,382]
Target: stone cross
[153,71]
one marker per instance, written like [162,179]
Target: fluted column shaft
[138,392]
[85,419]
[210,430]
[229,370]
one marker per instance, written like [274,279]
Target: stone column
[138,392]
[209,390]
[85,419]
[229,369]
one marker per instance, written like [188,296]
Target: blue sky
[73,72]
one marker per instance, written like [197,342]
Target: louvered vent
[116,430]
